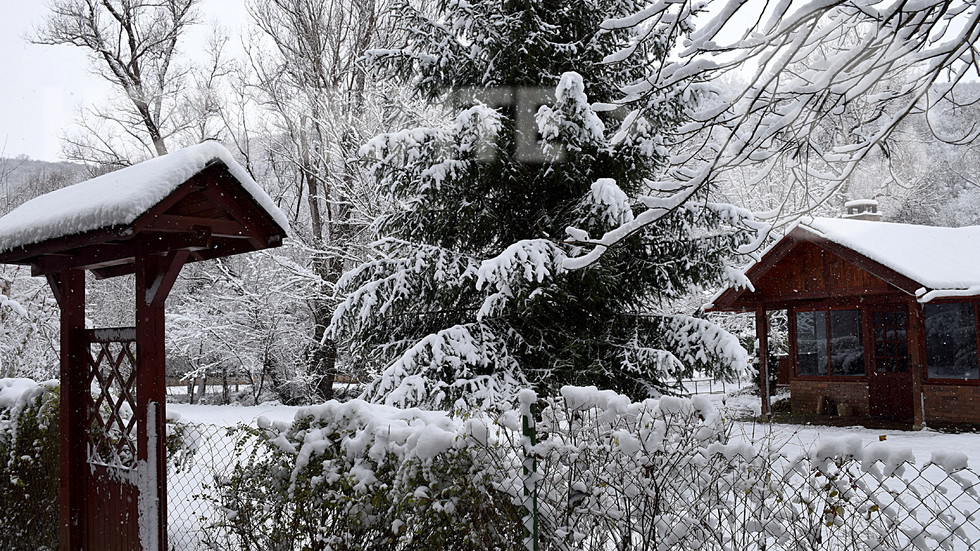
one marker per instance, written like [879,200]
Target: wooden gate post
[917,357]
[200,205]
[155,276]
[68,288]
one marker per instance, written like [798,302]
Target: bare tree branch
[830,83]
[133,44]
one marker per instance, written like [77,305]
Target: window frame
[830,375]
[975,305]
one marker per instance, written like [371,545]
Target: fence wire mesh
[584,472]
[672,476]
[199,457]
[609,478]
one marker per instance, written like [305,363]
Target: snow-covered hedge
[600,472]
[364,475]
[28,464]
[355,475]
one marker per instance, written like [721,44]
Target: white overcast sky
[42,87]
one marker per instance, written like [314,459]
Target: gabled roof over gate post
[196,199]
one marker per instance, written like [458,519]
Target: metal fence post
[530,471]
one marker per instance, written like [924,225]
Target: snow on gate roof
[118,198]
[196,202]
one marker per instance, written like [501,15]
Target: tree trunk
[225,397]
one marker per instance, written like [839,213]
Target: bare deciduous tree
[133,45]
[309,81]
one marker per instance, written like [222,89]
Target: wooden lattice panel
[111,375]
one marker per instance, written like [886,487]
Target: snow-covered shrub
[355,475]
[615,473]
[28,464]
[599,470]
[28,326]
[673,474]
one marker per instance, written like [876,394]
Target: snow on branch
[608,204]
[464,366]
[695,339]
[385,285]
[446,152]
[7,302]
[571,121]
[820,85]
[521,264]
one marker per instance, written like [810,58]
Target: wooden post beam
[155,276]
[168,223]
[917,357]
[106,254]
[69,288]
[762,334]
[165,271]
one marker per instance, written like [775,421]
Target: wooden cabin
[882,317]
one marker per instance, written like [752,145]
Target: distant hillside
[22,178]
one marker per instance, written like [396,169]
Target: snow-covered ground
[922,443]
[229,416]
[797,438]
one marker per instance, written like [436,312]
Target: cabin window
[829,343]
[951,341]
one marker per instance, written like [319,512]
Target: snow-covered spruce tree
[468,298]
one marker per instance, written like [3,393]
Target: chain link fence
[609,476]
[671,476]
[589,470]
[198,458]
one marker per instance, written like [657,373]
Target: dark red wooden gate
[112,452]
[113,494]
[113,481]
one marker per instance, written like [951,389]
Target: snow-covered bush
[599,471]
[28,326]
[619,471]
[673,474]
[355,475]
[28,464]
[363,475]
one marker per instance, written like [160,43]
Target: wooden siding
[197,204]
[112,516]
[811,272]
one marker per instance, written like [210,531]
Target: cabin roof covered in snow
[118,198]
[938,258]
[939,261]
